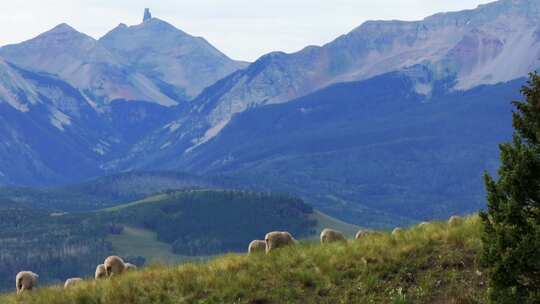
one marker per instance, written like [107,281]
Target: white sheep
[72,282]
[101,272]
[114,265]
[26,281]
[331,235]
[278,239]
[256,246]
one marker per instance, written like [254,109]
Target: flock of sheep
[114,265]
[277,239]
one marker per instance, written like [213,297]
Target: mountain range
[71,103]
[394,120]
[494,43]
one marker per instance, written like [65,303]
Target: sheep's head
[101,272]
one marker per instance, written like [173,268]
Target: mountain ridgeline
[393,122]
[497,42]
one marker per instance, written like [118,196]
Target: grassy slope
[434,264]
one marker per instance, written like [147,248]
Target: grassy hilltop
[432,264]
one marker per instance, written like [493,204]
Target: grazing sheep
[101,272]
[256,246]
[454,221]
[72,282]
[278,239]
[114,265]
[361,234]
[130,267]
[330,235]
[26,280]
[397,231]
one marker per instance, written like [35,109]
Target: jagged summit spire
[147,15]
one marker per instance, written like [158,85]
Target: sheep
[72,282]
[101,272]
[114,265]
[26,280]
[130,267]
[361,234]
[397,231]
[330,235]
[454,220]
[278,239]
[256,246]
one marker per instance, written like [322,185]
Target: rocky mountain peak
[156,47]
[62,28]
[147,15]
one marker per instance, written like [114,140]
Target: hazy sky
[243,29]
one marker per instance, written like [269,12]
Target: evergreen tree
[511,239]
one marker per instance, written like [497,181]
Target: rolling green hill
[206,222]
[431,264]
[144,242]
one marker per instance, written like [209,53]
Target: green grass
[434,264]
